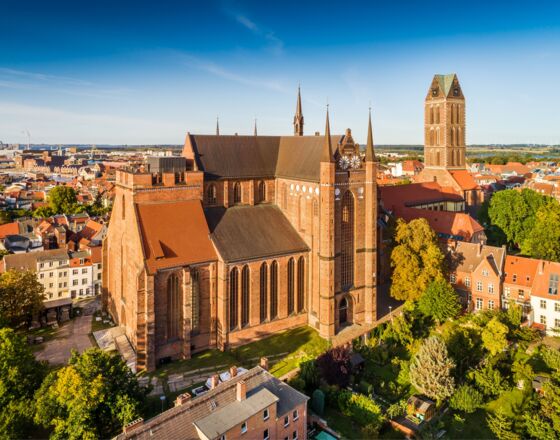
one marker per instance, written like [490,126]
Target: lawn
[474,426]
[342,424]
[293,345]
[512,402]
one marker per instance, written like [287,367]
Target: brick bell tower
[327,327]
[444,124]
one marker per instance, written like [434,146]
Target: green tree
[417,259]
[310,375]
[539,428]
[362,410]
[464,345]
[551,357]
[92,397]
[43,212]
[514,314]
[494,336]
[467,399]
[63,200]
[501,426]
[543,241]
[430,370]
[20,377]
[21,295]
[550,401]
[5,217]
[440,301]
[488,380]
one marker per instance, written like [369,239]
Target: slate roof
[174,234]
[218,423]
[245,232]
[28,261]
[466,257]
[295,157]
[178,422]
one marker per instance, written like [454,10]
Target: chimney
[135,424]
[232,371]
[264,363]
[541,267]
[241,390]
[182,399]
[214,381]
[479,250]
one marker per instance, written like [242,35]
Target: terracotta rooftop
[546,272]
[458,225]
[174,234]
[466,257]
[397,197]
[8,229]
[523,269]
[464,179]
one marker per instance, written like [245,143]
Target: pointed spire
[298,117]
[255,132]
[217,126]
[370,153]
[327,154]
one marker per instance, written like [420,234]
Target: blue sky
[147,72]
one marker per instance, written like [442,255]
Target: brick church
[241,237]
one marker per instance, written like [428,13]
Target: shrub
[318,402]
[361,409]
[310,375]
[467,399]
[334,366]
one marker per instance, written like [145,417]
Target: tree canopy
[440,301]
[543,241]
[92,397]
[20,376]
[430,369]
[417,260]
[494,336]
[62,199]
[21,295]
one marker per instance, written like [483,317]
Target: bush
[365,388]
[310,375]
[334,366]
[298,383]
[318,402]
[361,409]
[467,399]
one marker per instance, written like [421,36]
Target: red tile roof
[523,268]
[174,234]
[8,229]
[457,224]
[464,179]
[542,279]
[399,196]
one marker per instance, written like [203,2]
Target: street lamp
[391,314]
[162,398]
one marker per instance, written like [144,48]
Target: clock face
[355,162]
[344,162]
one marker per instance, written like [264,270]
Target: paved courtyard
[73,335]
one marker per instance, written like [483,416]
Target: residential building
[545,300]
[252,405]
[519,277]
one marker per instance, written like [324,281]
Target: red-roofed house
[545,300]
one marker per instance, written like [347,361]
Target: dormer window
[553,284]
[514,278]
[484,272]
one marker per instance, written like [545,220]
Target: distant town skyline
[146,73]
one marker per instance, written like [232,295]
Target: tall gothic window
[301,284]
[274,290]
[284,196]
[123,207]
[290,286]
[437,114]
[195,320]
[301,213]
[233,297]
[262,191]
[173,307]
[263,281]
[245,280]
[211,194]
[347,236]
[236,192]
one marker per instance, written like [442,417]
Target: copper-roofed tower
[298,117]
[444,124]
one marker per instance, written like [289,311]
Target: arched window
[274,290]
[431,136]
[431,121]
[245,282]
[301,285]
[233,297]
[284,196]
[347,245]
[437,114]
[263,281]
[262,192]
[290,286]
[123,207]
[211,194]
[195,320]
[437,136]
[315,208]
[236,192]
[438,159]
[459,136]
[173,307]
